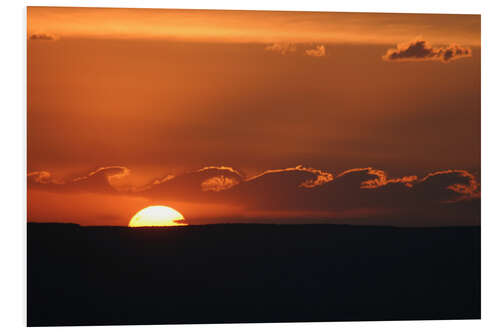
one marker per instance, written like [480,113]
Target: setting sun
[157,216]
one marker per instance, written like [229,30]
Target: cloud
[225,168]
[100,180]
[444,186]
[318,51]
[112,173]
[287,48]
[421,50]
[163,179]
[354,191]
[446,196]
[218,183]
[317,177]
[381,178]
[43,36]
[462,184]
[282,48]
[41,177]
[199,184]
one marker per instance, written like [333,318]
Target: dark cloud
[200,184]
[43,36]
[355,192]
[421,50]
[447,195]
[459,185]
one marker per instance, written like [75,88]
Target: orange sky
[251,26]
[165,93]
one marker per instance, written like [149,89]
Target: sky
[248,116]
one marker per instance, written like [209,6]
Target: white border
[13,172]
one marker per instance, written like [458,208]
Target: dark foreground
[250,273]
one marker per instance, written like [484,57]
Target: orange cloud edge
[234,177]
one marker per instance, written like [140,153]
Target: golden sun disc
[157,216]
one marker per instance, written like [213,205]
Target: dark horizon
[263,223]
[241,273]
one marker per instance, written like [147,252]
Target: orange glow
[274,27]
[157,216]
[250,116]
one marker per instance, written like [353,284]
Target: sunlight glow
[157,216]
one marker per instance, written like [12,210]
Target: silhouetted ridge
[229,273]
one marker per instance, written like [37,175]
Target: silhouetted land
[250,273]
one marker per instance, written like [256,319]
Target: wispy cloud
[43,36]
[282,48]
[285,48]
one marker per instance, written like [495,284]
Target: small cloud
[111,173]
[319,51]
[186,186]
[282,48]
[380,178]
[462,184]
[218,183]
[221,168]
[42,177]
[103,179]
[43,36]
[421,50]
[321,177]
[163,179]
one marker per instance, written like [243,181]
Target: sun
[157,216]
